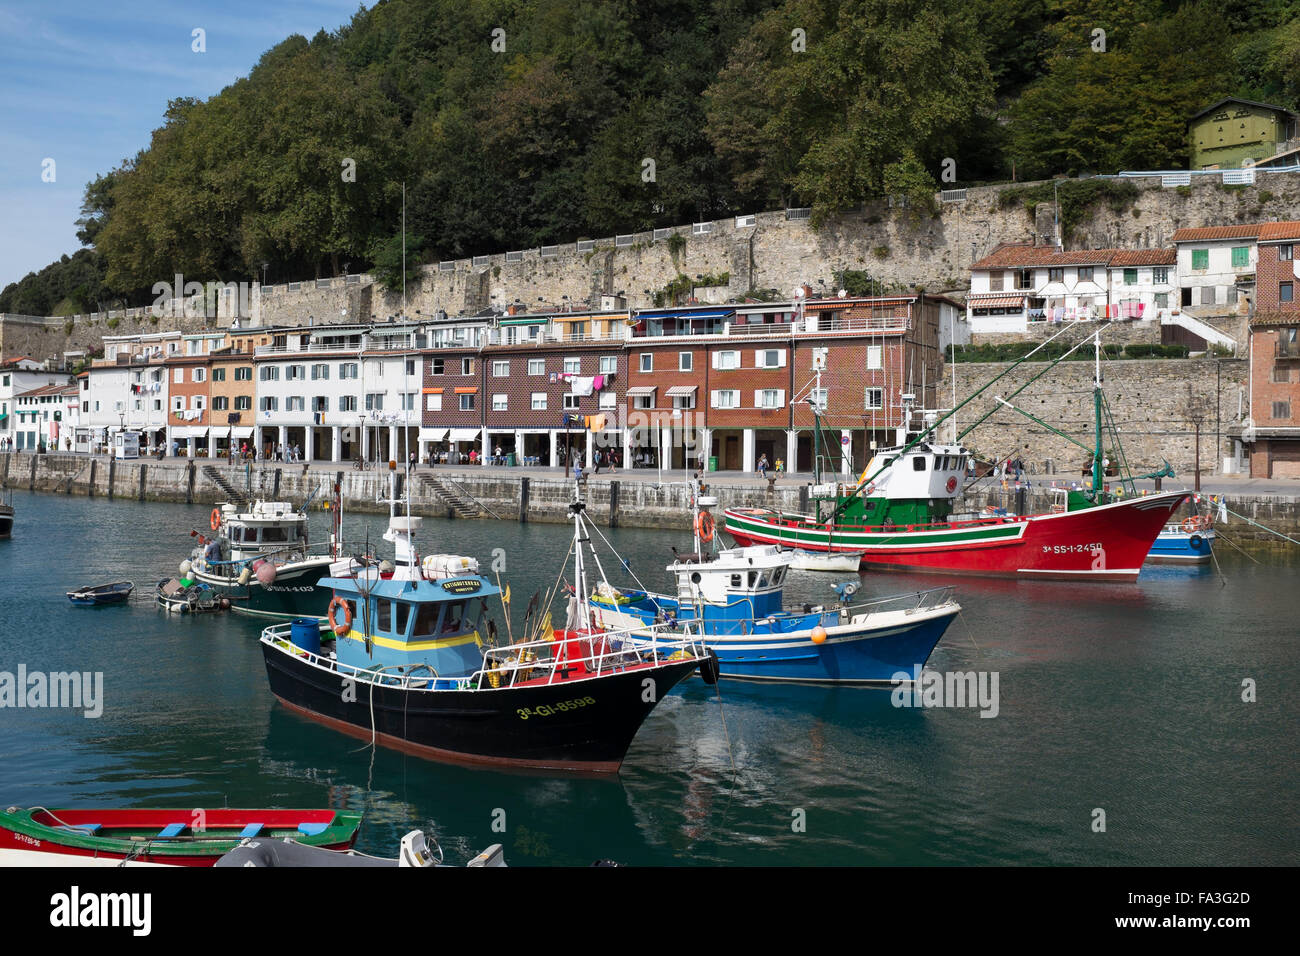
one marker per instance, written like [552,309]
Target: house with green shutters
[1216,267]
[1233,133]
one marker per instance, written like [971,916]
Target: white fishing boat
[839,562]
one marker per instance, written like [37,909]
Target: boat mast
[1097,466]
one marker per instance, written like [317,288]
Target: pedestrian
[598,460]
[279,451]
[577,471]
[780,465]
[413,462]
[613,461]
[762,466]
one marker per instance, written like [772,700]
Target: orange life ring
[346,625]
[216,519]
[1195,523]
[704,526]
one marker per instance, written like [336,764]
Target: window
[570,402]
[243,403]
[1281,374]
[1200,258]
[320,403]
[537,366]
[499,403]
[85,406]
[647,362]
[726,398]
[1056,275]
[467,366]
[769,398]
[220,403]
[608,364]
[918,463]
[643,401]
[270,373]
[1085,273]
[433,403]
[609,400]
[178,403]
[995,281]
[218,375]
[1160,276]
[435,366]
[374,401]
[685,361]
[410,401]
[875,356]
[726,360]
[244,373]
[1284,253]
[1240,257]
[1130,277]
[539,401]
[873,398]
[410,367]
[467,403]
[178,376]
[1025,279]
[819,397]
[1162,300]
[684,401]
[320,372]
[295,373]
[295,403]
[348,370]
[1286,292]
[501,369]
[572,365]
[769,358]
[270,403]
[1281,409]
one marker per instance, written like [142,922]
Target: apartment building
[1272,434]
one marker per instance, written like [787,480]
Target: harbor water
[1119,734]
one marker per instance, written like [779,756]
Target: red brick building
[1273,434]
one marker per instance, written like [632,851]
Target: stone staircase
[233,494]
[464,506]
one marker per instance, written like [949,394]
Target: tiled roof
[1273,231]
[1204,233]
[1235,99]
[47,390]
[1144,257]
[1271,318]
[1012,254]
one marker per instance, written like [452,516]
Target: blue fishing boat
[1190,541]
[735,596]
[102,594]
[407,662]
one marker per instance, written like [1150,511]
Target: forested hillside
[517,123]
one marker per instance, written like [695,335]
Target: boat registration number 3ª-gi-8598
[1071,548]
[546,710]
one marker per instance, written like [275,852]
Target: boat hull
[295,593]
[1180,547]
[6,521]
[1103,543]
[868,652]
[130,835]
[583,724]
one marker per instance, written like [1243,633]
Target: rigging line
[621,559]
[1258,525]
[1228,541]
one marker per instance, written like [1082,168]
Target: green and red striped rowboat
[175,837]
[1106,542]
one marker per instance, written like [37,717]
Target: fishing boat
[1190,541]
[186,596]
[405,664]
[7,517]
[37,836]
[260,558]
[734,596]
[414,850]
[801,559]
[901,512]
[102,594]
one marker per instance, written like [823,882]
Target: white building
[1216,266]
[128,389]
[22,427]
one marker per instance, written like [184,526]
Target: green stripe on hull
[821,536]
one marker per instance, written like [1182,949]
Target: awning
[531,320]
[245,431]
[997,302]
[641,390]
[434,434]
[681,391]
[466,389]
[432,391]
[4,416]
[190,432]
[686,314]
[587,317]
[464,434]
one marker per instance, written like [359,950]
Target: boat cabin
[743,583]
[433,622]
[916,486]
[271,526]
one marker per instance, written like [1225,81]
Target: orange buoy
[819,635]
[340,627]
[704,526]
[216,519]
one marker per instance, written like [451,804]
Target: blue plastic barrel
[305,633]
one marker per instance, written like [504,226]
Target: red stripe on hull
[1105,543]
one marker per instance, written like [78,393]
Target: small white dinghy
[836,561]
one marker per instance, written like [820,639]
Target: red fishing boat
[170,837]
[900,515]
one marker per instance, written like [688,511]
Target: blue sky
[85,83]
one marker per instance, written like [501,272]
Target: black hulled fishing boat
[406,664]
